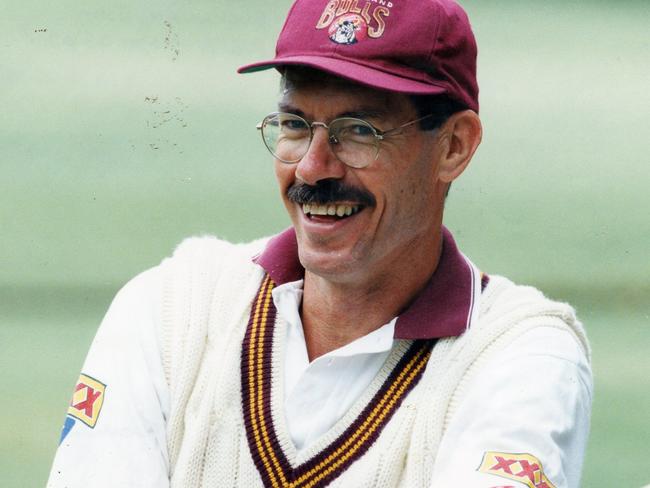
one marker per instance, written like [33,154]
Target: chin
[332,264]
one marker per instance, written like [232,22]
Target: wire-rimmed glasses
[355,142]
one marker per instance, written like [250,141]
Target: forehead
[328,95]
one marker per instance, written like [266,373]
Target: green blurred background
[124,128]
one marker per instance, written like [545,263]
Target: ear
[459,136]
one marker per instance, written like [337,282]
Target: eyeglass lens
[288,136]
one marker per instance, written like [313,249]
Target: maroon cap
[411,46]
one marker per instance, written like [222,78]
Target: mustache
[329,191]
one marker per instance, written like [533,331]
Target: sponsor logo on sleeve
[67,427]
[524,468]
[87,400]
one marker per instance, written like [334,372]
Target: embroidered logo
[348,29]
[351,21]
[87,400]
[524,468]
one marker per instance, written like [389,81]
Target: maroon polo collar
[441,309]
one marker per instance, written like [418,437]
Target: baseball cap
[423,47]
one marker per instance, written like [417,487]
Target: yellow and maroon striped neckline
[257,380]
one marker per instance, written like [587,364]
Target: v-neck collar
[274,455]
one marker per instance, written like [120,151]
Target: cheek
[415,196]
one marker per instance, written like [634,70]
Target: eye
[355,130]
[293,124]
[361,130]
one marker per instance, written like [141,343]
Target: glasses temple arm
[381,135]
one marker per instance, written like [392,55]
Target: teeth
[338,210]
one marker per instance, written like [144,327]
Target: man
[360,347]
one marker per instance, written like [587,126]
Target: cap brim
[358,73]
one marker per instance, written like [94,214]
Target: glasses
[355,142]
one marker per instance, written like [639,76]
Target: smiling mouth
[341,211]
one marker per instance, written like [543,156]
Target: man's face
[399,217]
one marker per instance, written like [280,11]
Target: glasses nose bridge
[314,125]
[331,137]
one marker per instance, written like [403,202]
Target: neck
[335,313]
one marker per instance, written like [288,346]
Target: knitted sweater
[388,438]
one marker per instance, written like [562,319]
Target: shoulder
[199,249]
[517,325]
[135,307]
[502,296]
[510,309]
[203,266]
[193,258]
[205,258]
[143,287]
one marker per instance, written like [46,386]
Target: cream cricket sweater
[221,350]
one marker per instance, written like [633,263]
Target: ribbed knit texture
[268,447]
[208,288]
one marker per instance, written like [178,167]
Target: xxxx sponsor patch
[524,468]
[87,400]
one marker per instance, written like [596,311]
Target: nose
[320,162]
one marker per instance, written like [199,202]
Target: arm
[524,420]
[114,433]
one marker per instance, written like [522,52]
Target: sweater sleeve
[524,419]
[114,431]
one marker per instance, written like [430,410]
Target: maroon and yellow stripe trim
[267,454]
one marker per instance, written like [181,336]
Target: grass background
[124,128]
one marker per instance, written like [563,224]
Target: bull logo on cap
[348,29]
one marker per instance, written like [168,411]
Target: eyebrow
[366,113]
[360,113]
[290,109]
